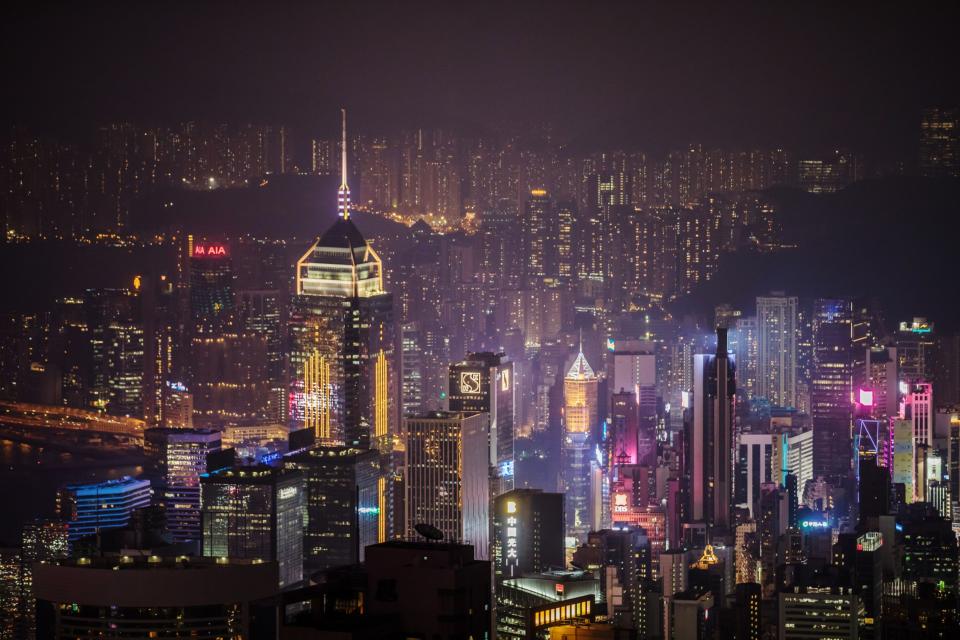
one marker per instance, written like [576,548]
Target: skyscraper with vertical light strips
[342,369]
[342,372]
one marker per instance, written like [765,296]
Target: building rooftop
[581,369]
[116,484]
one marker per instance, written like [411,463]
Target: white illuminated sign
[470,382]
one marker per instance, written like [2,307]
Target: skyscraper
[447,479]
[343,505]
[940,142]
[633,369]
[710,439]
[181,455]
[580,405]
[484,382]
[341,365]
[538,241]
[831,385]
[255,513]
[919,410]
[527,532]
[777,349]
[915,350]
[211,285]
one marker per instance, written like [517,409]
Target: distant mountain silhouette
[284,207]
[893,240]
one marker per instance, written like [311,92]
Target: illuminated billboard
[210,250]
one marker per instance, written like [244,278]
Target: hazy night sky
[607,73]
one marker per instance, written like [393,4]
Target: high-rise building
[230,378]
[342,367]
[831,385]
[622,556]
[813,612]
[940,142]
[484,382]
[709,440]
[919,410]
[177,406]
[124,350]
[580,411]
[344,509]
[539,238]
[904,450]
[255,513]
[431,589]
[447,479]
[754,468]
[915,350]
[260,314]
[40,541]
[181,455]
[211,285]
[633,368]
[777,349]
[880,377]
[501,244]
[527,532]
[931,546]
[91,508]
[742,339]
[831,393]
[412,364]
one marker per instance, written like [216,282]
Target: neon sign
[866,397]
[512,540]
[210,250]
[814,524]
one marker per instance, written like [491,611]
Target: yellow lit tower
[580,401]
[342,369]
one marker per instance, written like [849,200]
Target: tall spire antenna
[343,194]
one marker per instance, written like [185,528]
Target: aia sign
[209,250]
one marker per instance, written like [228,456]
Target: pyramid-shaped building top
[581,369]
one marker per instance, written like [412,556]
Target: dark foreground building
[433,590]
[153,597]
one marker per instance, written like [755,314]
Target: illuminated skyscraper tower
[580,418]
[341,368]
[777,349]
[831,392]
[710,436]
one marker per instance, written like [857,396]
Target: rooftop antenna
[343,194]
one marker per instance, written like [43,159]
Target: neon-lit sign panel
[470,383]
[814,524]
[620,503]
[866,397]
[210,250]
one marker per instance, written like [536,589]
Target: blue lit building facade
[90,508]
